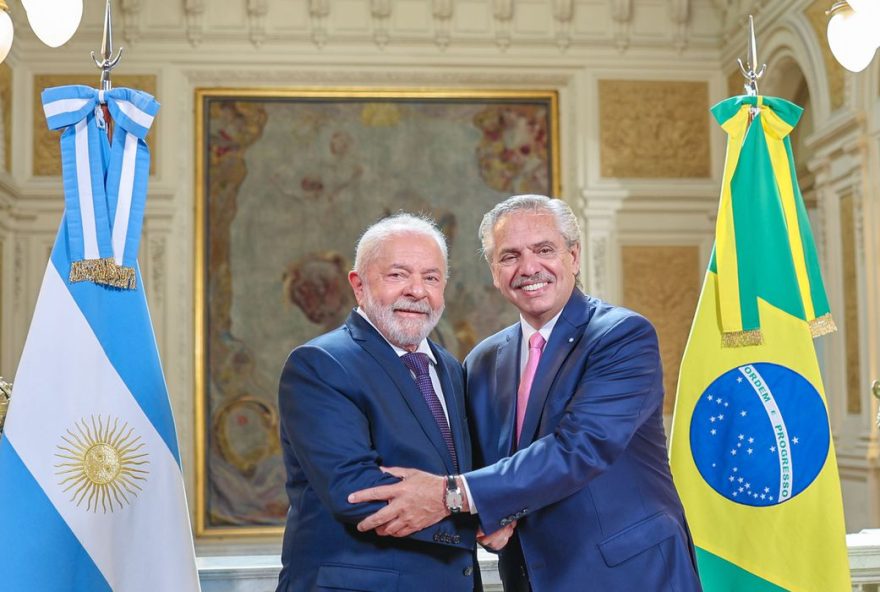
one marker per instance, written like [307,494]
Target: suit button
[505,521]
[436,537]
[456,539]
[468,570]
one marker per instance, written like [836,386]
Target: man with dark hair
[566,412]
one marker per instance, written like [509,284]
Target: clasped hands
[414,503]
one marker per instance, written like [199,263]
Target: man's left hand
[416,502]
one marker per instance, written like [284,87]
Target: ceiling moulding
[380,11]
[257,11]
[679,14]
[319,11]
[621,15]
[502,12]
[563,14]
[195,20]
[442,11]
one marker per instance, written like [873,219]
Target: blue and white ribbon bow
[105,186]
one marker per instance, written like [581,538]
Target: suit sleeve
[329,434]
[620,389]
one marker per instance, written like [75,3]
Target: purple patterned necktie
[418,363]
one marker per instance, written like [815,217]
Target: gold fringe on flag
[742,338]
[100,271]
[822,325]
[123,278]
[103,271]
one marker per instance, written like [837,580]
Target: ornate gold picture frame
[286,181]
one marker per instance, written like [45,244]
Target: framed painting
[286,182]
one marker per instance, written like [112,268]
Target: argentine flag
[91,490]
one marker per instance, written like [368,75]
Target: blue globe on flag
[760,434]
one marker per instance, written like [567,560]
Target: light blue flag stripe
[66,105]
[73,214]
[40,552]
[83,152]
[136,192]
[133,110]
[118,319]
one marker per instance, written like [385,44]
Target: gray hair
[400,223]
[566,221]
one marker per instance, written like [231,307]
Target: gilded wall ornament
[663,283]
[654,129]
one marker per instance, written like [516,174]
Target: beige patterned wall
[654,129]
[850,305]
[815,13]
[663,283]
[6,100]
[47,157]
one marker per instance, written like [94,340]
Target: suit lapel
[563,339]
[375,345]
[507,380]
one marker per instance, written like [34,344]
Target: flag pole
[106,65]
[750,70]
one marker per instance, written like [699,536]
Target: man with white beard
[374,393]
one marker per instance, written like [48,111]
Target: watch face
[454,500]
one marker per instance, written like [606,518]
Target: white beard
[401,332]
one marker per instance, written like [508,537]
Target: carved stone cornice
[380,11]
[563,14]
[404,78]
[195,20]
[621,15]
[502,12]
[131,25]
[679,14]
[319,11]
[442,11]
[257,11]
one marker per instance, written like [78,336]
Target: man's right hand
[496,540]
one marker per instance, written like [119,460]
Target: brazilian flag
[751,450]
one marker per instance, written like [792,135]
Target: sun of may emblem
[102,464]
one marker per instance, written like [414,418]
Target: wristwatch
[453,497]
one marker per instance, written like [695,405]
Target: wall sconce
[53,21]
[854,32]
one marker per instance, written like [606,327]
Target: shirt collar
[423,348]
[528,330]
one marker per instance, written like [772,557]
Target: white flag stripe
[63,106]
[123,204]
[135,114]
[154,527]
[84,188]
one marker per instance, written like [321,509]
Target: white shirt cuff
[467,492]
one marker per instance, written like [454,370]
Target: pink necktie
[536,346]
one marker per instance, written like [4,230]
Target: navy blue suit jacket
[590,485]
[348,405]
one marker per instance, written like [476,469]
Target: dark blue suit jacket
[348,405]
[590,485]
